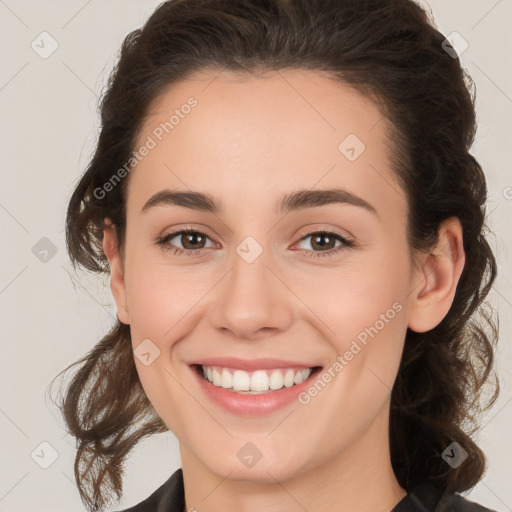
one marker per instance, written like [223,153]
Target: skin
[250,141]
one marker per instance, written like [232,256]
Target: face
[277,283]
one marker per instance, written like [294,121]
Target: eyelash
[346,243]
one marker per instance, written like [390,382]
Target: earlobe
[433,291]
[117,283]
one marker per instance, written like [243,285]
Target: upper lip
[250,364]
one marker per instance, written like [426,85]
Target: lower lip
[252,405]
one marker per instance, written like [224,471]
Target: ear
[117,284]
[436,280]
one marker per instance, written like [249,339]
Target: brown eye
[191,240]
[318,241]
[324,243]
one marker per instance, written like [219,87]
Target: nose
[253,300]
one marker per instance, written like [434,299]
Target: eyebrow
[295,201]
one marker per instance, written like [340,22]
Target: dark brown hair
[387,50]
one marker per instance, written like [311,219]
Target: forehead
[256,135]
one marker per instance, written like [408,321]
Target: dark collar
[422,497]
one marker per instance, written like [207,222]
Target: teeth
[276,380]
[289,378]
[216,378]
[259,381]
[241,381]
[226,379]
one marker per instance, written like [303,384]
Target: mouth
[252,387]
[256,382]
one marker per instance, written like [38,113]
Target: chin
[265,470]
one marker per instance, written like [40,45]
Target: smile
[256,382]
[253,393]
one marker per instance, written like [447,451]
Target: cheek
[159,304]
[356,296]
[366,324]
[158,296]
[363,312]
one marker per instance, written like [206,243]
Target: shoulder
[169,497]
[425,498]
[456,502]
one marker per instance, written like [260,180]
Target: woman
[283,195]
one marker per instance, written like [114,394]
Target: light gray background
[49,319]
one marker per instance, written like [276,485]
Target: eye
[191,239]
[317,240]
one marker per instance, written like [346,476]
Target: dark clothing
[170,497]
